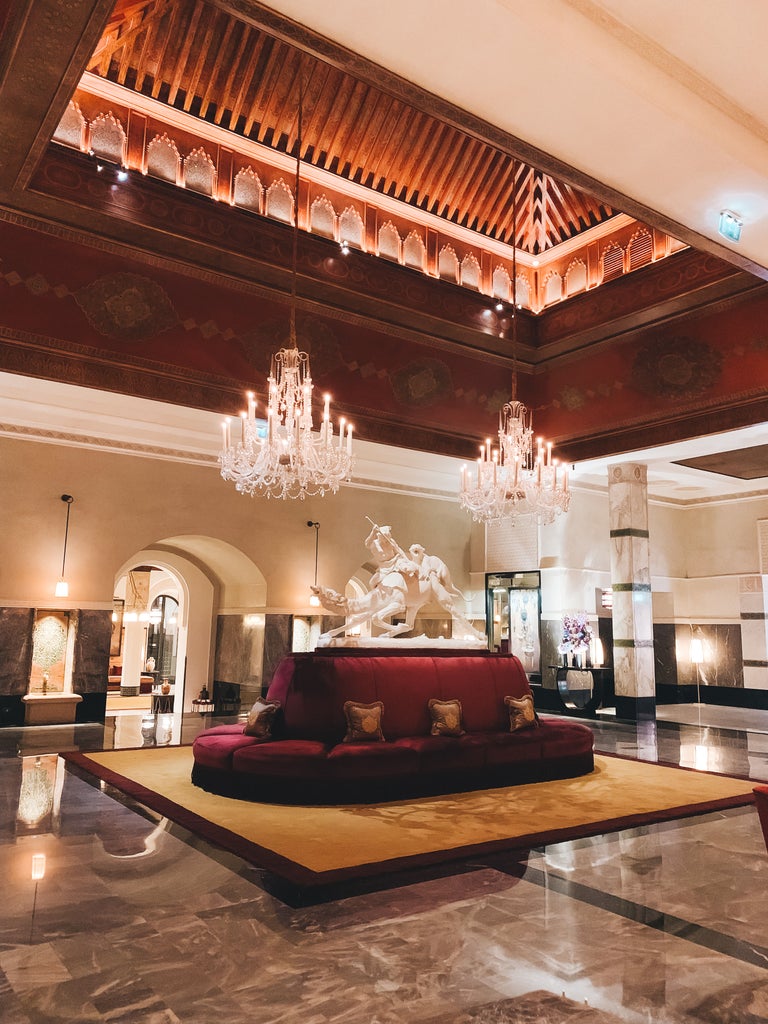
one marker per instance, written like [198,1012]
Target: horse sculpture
[402,584]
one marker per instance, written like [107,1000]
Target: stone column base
[636,709]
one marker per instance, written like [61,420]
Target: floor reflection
[111,912]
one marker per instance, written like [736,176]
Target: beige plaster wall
[125,504]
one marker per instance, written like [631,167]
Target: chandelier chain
[282,456]
[515,480]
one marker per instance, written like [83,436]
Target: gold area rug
[319,845]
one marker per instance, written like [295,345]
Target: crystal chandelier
[516,479]
[284,457]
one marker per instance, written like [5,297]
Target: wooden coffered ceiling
[203,60]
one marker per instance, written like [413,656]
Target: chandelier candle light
[515,480]
[286,458]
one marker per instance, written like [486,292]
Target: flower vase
[576,657]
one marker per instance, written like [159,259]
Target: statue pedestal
[402,643]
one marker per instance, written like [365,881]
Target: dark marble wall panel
[239,654]
[665,653]
[278,640]
[605,632]
[329,622]
[723,656]
[91,662]
[551,635]
[15,649]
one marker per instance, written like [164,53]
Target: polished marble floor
[135,921]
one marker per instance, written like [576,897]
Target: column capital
[629,472]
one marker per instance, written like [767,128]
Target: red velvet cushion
[761,800]
[510,747]
[371,761]
[564,739]
[294,758]
[214,747]
[446,753]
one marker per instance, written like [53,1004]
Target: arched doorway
[148,648]
[198,590]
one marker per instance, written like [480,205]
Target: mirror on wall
[513,613]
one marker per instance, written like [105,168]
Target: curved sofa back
[312,689]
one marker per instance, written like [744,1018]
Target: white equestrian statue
[401,585]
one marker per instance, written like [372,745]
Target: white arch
[241,585]
[194,651]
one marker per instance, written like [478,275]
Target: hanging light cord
[514,280]
[69,499]
[317,543]
[295,257]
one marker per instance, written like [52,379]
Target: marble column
[633,668]
[754,632]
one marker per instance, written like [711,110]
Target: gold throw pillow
[261,718]
[363,722]
[446,717]
[521,713]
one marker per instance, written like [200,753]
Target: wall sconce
[62,587]
[314,600]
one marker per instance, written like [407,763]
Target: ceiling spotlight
[99,168]
[499,307]
[122,175]
[344,246]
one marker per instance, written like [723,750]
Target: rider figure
[392,561]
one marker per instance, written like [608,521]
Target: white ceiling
[663,100]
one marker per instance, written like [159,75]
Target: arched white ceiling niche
[239,584]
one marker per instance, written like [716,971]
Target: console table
[582,690]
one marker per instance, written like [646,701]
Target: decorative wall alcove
[49,698]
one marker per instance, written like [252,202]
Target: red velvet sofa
[306,761]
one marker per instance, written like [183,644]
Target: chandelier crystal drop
[516,479]
[285,458]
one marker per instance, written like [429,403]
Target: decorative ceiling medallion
[422,383]
[676,368]
[127,307]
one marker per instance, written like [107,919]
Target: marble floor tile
[137,922]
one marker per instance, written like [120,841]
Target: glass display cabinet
[513,614]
